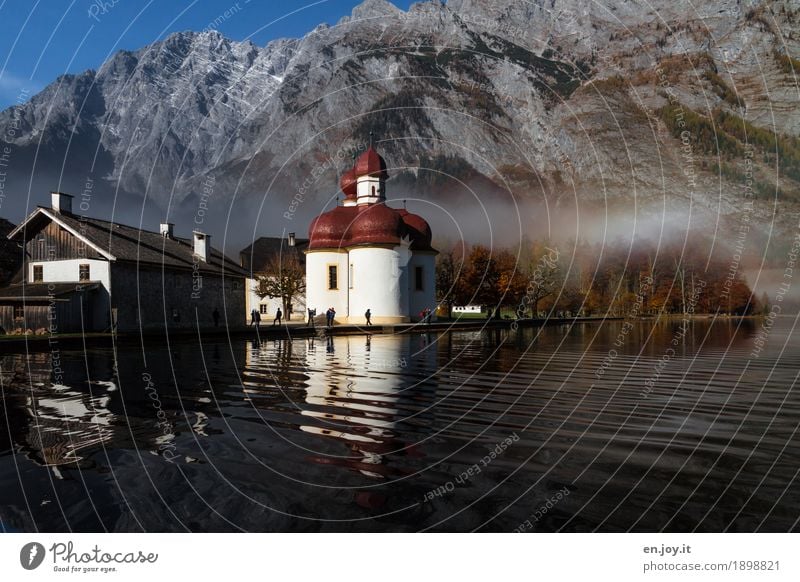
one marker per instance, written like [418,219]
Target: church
[365,255]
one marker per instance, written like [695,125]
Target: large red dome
[370,163]
[376,224]
[330,230]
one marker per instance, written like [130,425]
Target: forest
[541,279]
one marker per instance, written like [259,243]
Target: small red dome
[376,224]
[330,230]
[349,183]
[419,230]
[370,163]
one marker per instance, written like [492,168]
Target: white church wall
[378,283]
[318,295]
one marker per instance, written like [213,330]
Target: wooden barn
[81,274]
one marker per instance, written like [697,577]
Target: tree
[481,277]
[285,279]
[447,281]
[542,276]
[510,280]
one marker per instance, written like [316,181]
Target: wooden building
[85,274]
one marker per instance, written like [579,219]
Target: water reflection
[352,432]
[354,390]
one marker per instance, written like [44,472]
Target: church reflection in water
[355,390]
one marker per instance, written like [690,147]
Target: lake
[619,426]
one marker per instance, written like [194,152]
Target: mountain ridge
[552,104]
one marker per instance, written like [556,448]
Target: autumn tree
[541,278]
[285,278]
[510,279]
[448,287]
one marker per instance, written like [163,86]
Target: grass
[787,64]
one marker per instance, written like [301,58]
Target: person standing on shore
[333,317]
[253,317]
[368,315]
[278,316]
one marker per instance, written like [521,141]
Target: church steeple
[371,176]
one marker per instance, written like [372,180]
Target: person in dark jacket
[368,315]
[278,316]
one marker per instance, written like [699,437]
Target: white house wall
[272,304]
[68,271]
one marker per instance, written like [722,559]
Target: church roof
[349,183]
[373,224]
[367,224]
[371,163]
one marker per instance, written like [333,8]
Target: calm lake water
[574,428]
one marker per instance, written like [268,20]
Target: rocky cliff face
[656,111]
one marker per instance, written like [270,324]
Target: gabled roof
[257,257]
[119,242]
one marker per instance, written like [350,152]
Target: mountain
[551,114]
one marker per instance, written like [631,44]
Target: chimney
[292,239]
[61,203]
[202,245]
[167,229]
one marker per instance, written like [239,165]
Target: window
[263,308]
[19,312]
[419,280]
[38,273]
[83,273]
[333,277]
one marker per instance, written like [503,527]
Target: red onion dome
[349,183]
[419,230]
[330,230]
[370,163]
[376,224]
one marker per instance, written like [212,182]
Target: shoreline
[301,330]
[285,331]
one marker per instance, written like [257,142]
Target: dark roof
[43,291]
[257,257]
[128,243]
[10,254]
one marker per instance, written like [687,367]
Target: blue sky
[42,39]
